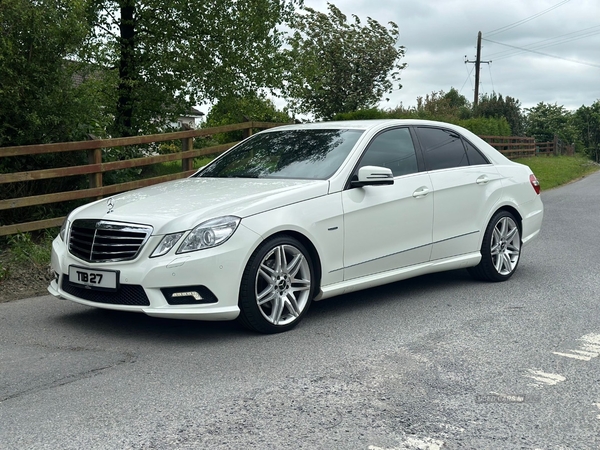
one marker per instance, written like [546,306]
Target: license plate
[94,279]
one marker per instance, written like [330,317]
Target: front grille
[104,241]
[128,294]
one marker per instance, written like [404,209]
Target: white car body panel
[387,227]
[461,205]
[320,220]
[391,276]
[362,237]
[193,200]
[526,202]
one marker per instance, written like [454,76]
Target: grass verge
[553,171]
[25,264]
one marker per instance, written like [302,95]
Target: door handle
[483,179]
[421,192]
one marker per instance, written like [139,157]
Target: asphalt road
[437,362]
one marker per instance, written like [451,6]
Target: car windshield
[304,153]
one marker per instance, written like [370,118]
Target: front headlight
[166,244]
[64,229]
[210,234]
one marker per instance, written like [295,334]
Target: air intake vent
[128,294]
[104,241]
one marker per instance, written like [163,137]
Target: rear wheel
[500,249]
[277,286]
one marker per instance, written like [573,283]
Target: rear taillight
[535,183]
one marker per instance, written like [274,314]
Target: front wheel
[277,286]
[500,249]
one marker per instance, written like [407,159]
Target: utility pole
[477,63]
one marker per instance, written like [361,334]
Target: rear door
[465,189]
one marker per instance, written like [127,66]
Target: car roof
[362,124]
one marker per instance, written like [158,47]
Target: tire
[277,286]
[500,249]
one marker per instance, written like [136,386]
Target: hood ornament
[110,203]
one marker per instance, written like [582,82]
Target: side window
[393,149]
[475,156]
[442,149]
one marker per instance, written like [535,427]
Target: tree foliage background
[71,68]
[46,95]
[587,122]
[495,106]
[545,120]
[42,100]
[336,66]
[172,54]
[237,109]
[451,107]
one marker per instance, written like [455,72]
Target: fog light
[192,294]
[188,295]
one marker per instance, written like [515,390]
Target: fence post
[246,133]
[186,145]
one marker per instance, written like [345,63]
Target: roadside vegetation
[25,264]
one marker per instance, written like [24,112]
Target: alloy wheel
[283,284]
[505,246]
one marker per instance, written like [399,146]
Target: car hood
[181,205]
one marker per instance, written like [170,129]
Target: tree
[44,93]
[495,106]
[446,106]
[587,123]
[456,100]
[336,66]
[544,121]
[171,54]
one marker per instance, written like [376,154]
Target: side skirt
[378,279]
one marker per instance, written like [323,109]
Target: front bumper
[218,269]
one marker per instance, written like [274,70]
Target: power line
[561,39]
[527,19]
[468,78]
[491,79]
[544,54]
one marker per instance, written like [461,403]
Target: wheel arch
[511,209]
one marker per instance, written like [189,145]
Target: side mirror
[373,176]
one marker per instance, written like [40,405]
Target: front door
[388,227]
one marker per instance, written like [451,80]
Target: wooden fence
[555,147]
[96,168]
[512,147]
[521,147]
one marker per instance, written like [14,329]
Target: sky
[437,34]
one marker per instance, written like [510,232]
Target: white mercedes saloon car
[301,213]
